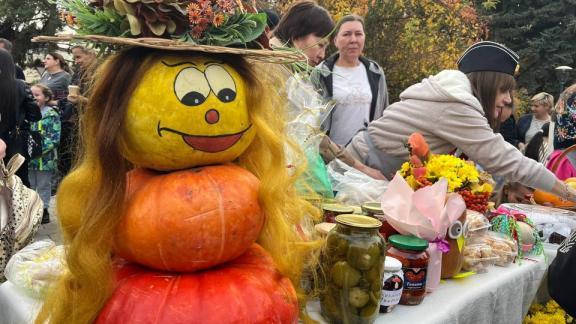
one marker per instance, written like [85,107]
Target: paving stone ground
[52,229]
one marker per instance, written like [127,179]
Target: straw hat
[209,26]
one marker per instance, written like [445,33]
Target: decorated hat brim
[257,55]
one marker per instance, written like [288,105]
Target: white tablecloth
[500,296]
[16,307]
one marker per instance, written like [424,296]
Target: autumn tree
[544,34]
[413,39]
[21,20]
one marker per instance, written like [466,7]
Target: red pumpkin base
[248,289]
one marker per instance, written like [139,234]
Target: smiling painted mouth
[204,143]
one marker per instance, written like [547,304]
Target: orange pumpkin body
[189,220]
[249,289]
[543,197]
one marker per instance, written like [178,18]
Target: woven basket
[264,56]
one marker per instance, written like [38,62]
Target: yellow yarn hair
[90,198]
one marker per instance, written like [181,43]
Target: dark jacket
[16,135]
[561,279]
[323,81]
[509,132]
[522,127]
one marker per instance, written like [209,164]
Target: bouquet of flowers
[547,314]
[425,169]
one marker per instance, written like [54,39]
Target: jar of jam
[411,252]
[353,262]
[392,286]
[373,209]
[333,210]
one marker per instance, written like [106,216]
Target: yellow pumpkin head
[187,111]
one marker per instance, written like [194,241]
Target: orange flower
[218,20]
[194,17]
[193,7]
[208,13]
[198,31]
[418,145]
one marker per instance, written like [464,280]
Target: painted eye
[221,82]
[191,87]
[455,230]
[226,95]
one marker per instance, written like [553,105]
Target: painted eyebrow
[178,64]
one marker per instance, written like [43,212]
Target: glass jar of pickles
[354,264]
[411,252]
[332,210]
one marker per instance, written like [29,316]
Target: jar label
[414,278]
[392,290]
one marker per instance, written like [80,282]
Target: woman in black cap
[458,110]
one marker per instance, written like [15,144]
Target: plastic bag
[304,116]
[352,186]
[36,267]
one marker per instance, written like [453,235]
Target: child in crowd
[41,169]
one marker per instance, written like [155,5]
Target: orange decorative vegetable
[545,198]
[248,289]
[189,220]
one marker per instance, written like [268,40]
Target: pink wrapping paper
[426,213]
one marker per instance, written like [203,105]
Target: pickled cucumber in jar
[354,265]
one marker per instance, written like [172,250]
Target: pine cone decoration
[149,18]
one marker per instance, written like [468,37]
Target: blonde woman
[530,124]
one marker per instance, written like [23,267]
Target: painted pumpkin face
[186,112]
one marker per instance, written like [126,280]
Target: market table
[502,295]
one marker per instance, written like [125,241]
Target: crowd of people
[45,108]
[466,111]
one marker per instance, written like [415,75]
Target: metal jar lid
[372,207]
[338,208]
[408,242]
[392,264]
[358,221]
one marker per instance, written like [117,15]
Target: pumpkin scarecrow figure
[180,208]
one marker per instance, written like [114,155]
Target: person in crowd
[2,149]
[85,61]
[538,148]
[56,75]
[530,124]
[41,169]
[458,109]
[561,279]
[357,84]
[272,20]
[7,45]
[17,110]
[565,112]
[564,135]
[304,26]
[85,64]
[508,130]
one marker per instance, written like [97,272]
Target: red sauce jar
[411,252]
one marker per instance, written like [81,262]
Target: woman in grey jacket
[355,83]
[458,110]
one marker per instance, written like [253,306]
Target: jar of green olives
[354,264]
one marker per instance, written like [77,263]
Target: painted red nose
[212,116]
